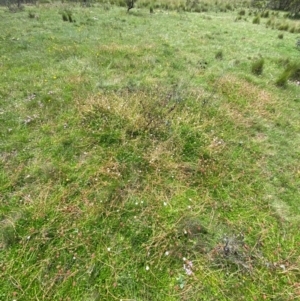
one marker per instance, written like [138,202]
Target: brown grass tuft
[245,100]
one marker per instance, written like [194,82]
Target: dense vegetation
[149,155]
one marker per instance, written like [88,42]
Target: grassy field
[142,157]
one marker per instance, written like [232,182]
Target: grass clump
[256,20]
[8,236]
[265,14]
[280,36]
[283,27]
[242,12]
[291,72]
[67,16]
[282,80]
[294,70]
[219,55]
[258,66]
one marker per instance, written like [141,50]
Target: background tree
[293,6]
[260,4]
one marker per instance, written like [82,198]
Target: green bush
[257,66]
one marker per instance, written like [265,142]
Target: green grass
[136,165]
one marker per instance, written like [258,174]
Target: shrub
[256,20]
[257,66]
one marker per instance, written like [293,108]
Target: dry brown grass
[247,101]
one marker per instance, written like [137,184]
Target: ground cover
[142,159]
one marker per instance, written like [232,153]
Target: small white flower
[108,249]
[188,270]
[184,259]
[147,268]
[282,266]
[165,204]
[167,253]
[189,263]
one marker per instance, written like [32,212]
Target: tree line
[293,6]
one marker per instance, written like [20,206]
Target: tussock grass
[137,166]
[256,20]
[291,72]
[258,66]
